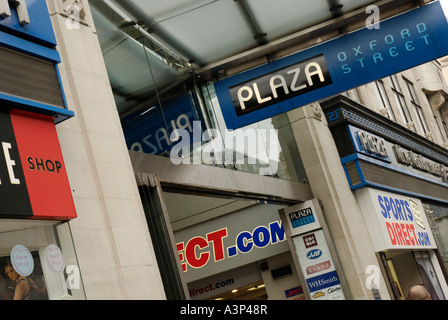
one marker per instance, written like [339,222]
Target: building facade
[343,198]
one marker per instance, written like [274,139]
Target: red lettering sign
[43,166]
[195,253]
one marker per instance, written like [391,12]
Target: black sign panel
[14,200]
[283,84]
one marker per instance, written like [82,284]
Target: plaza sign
[402,42]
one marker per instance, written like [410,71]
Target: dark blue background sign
[149,131]
[400,43]
[38,30]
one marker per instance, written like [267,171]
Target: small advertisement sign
[303,217]
[317,266]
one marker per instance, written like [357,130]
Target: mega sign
[198,251]
[33,180]
[230,241]
[402,42]
[395,221]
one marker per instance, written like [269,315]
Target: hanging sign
[402,42]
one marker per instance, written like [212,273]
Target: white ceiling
[150,44]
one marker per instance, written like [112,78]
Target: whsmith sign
[402,42]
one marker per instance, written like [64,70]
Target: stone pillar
[341,210]
[111,237]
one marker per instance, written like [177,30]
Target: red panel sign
[43,166]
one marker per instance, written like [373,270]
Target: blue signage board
[401,42]
[26,33]
[38,26]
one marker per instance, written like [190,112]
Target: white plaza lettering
[20,6]
[245,93]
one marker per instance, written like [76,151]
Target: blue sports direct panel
[400,43]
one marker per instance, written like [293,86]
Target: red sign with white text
[33,171]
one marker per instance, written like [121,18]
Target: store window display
[38,262]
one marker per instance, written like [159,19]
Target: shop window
[269,149]
[385,107]
[399,98]
[438,219]
[417,107]
[38,262]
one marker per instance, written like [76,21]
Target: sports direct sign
[395,221]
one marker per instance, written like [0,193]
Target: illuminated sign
[395,221]
[33,180]
[402,42]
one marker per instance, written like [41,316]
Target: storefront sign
[212,286]
[230,241]
[29,19]
[28,47]
[395,221]
[402,42]
[395,156]
[33,180]
[302,219]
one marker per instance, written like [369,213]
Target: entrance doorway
[408,268]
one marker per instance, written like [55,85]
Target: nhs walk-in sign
[401,42]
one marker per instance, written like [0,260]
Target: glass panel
[438,220]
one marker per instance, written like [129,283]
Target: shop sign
[230,241]
[317,266]
[26,31]
[33,180]
[395,221]
[28,19]
[402,42]
[396,156]
[313,252]
[212,286]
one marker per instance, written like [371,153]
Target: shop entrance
[232,249]
[407,268]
